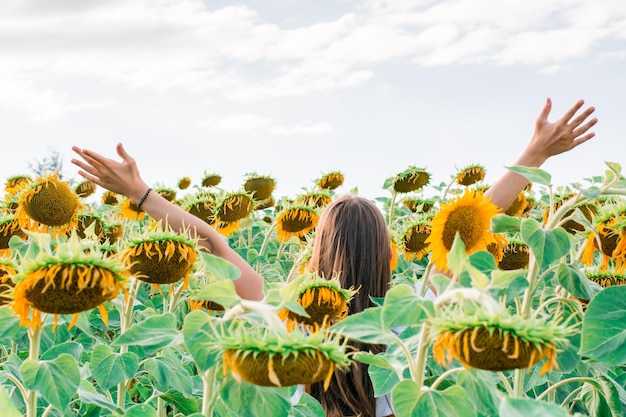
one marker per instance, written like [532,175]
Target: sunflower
[588,209]
[184,183]
[605,279]
[110,198]
[211,180]
[516,255]
[414,238]
[113,232]
[315,198]
[86,220]
[85,188]
[160,256]
[418,205]
[297,220]
[323,299]
[16,183]
[7,272]
[48,205]
[204,304]
[167,193]
[518,206]
[201,205]
[411,179]
[270,358]
[9,227]
[260,187]
[130,211]
[497,341]
[468,215]
[606,239]
[233,207]
[470,175]
[72,279]
[264,204]
[330,180]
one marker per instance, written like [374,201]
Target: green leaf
[408,400]
[169,373]
[366,326]
[88,395]
[601,398]
[219,268]
[9,325]
[308,406]
[501,223]
[457,255]
[604,327]
[576,282]
[516,407]
[534,175]
[402,307]
[250,400]
[201,339]
[481,391]
[7,409]
[615,167]
[140,410]
[592,193]
[546,245]
[183,403]
[383,379]
[109,369]
[56,380]
[154,333]
[222,292]
[73,349]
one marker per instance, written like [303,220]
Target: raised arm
[549,139]
[124,178]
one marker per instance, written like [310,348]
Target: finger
[85,167]
[572,111]
[583,139]
[123,154]
[582,129]
[545,112]
[583,116]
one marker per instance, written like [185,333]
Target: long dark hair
[352,242]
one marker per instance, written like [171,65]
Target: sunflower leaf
[140,410]
[524,407]
[403,307]
[109,369]
[604,327]
[221,292]
[56,380]
[219,268]
[7,409]
[366,326]
[534,175]
[409,400]
[615,167]
[501,223]
[154,333]
[201,339]
[576,282]
[592,192]
[546,245]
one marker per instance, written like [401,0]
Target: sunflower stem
[19,386]
[160,405]
[420,363]
[506,383]
[208,392]
[34,337]
[392,207]
[266,239]
[518,384]
[444,375]
[570,396]
[125,321]
[551,388]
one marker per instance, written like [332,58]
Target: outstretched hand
[120,177]
[553,138]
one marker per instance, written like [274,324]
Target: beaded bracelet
[143,199]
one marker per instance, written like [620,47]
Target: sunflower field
[106,312]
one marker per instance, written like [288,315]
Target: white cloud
[235,53]
[250,123]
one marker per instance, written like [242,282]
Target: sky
[294,89]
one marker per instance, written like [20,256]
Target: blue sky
[293,88]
